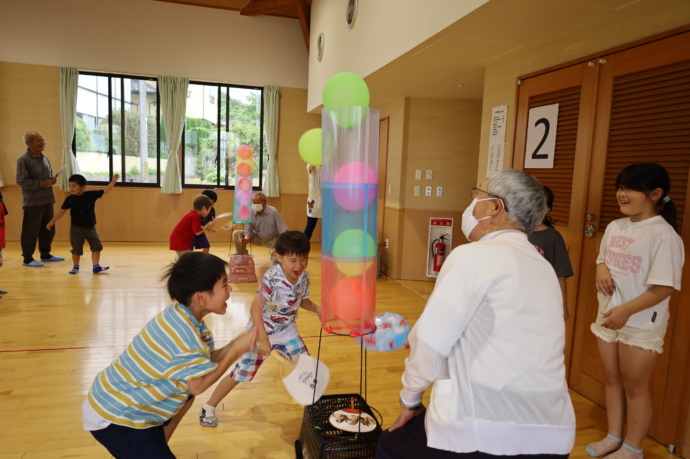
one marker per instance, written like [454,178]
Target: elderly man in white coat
[489,342]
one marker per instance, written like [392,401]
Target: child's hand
[246,342]
[50,225]
[604,282]
[616,318]
[264,347]
[116,177]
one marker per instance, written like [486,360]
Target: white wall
[383,31]
[154,38]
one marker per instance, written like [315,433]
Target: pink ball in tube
[358,176]
[244,213]
[243,197]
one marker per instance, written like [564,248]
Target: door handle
[590,230]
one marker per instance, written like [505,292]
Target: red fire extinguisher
[439,251]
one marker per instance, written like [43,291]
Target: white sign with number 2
[541,137]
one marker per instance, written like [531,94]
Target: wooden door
[574,89]
[383,168]
[642,115]
[634,106]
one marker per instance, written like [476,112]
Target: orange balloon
[245,152]
[350,299]
[244,169]
[244,184]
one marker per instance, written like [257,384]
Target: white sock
[211,410]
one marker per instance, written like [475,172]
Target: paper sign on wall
[497,138]
[541,137]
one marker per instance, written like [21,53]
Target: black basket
[321,440]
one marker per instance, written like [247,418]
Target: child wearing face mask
[267,224]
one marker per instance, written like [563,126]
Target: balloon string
[318,360]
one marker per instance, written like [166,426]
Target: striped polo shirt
[147,384]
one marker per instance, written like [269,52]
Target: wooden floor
[57,331]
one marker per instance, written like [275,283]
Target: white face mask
[258,207]
[469,222]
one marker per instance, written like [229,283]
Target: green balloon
[309,147]
[345,89]
[350,244]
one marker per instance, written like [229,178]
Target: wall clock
[320,43]
[351,13]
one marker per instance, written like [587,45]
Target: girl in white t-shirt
[638,267]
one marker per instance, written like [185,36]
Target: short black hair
[293,242]
[193,272]
[202,201]
[78,179]
[211,194]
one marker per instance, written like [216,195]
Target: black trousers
[409,441]
[34,229]
[311,224]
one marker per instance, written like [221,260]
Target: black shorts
[200,242]
[127,442]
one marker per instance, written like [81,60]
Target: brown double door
[617,109]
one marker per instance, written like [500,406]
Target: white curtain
[69,78]
[173,92]
[271,111]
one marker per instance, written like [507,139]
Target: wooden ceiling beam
[303,8]
[260,7]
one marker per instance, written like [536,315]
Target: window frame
[122,181]
[262,142]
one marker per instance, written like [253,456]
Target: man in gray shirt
[36,179]
[266,225]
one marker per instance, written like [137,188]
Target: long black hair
[645,178]
[548,221]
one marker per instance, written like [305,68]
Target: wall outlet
[427,191]
[418,174]
[439,191]
[429,174]
[417,190]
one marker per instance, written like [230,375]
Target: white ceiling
[458,54]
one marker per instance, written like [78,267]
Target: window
[118,129]
[214,131]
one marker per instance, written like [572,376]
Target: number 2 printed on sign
[541,137]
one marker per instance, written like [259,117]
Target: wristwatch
[405,407]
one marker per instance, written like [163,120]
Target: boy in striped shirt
[136,403]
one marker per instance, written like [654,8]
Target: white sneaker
[207,418]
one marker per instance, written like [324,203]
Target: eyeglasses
[477,191]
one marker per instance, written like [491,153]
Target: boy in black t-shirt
[83,215]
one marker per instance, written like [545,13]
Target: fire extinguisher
[439,251]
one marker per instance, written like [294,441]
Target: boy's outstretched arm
[224,357]
[309,305]
[112,183]
[256,312]
[57,217]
